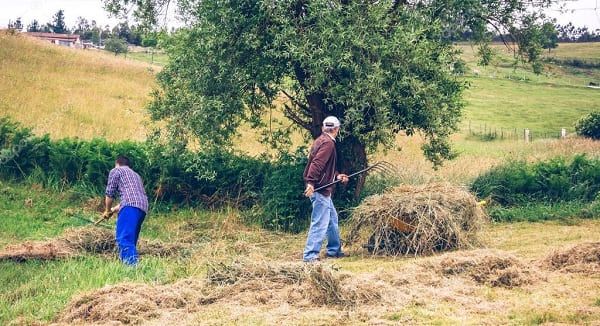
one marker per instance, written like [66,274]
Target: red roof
[54,36]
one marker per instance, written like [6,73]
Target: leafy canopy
[382,67]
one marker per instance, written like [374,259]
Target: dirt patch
[417,220]
[581,258]
[490,267]
[77,241]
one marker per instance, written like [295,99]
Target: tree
[83,28]
[16,25]
[34,26]
[115,45]
[382,67]
[58,23]
[549,36]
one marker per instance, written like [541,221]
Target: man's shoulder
[324,139]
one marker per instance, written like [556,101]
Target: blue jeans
[324,222]
[129,224]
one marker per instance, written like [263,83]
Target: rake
[382,167]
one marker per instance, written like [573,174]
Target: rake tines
[384,168]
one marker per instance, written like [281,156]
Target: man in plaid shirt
[127,184]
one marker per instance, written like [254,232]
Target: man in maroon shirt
[321,170]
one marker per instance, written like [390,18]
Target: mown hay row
[298,284]
[484,266]
[581,258]
[77,241]
[417,220]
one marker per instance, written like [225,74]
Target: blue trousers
[129,224]
[324,223]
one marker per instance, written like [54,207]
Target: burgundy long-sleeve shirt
[321,167]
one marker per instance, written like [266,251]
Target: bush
[556,180]
[589,126]
[274,189]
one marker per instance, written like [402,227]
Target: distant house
[59,39]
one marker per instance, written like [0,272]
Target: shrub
[589,126]
[519,183]
[273,188]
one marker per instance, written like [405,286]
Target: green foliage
[486,54]
[536,212]
[589,126]
[556,180]
[58,24]
[549,36]
[210,178]
[116,45]
[328,58]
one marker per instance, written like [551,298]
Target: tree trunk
[351,153]
[352,157]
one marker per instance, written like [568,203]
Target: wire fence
[489,133]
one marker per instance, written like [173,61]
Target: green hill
[72,92]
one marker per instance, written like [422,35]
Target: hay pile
[247,282]
[417,220]
[77,241]
[313,282]
[41,250]
[490,267]
[581,258]
[132,303]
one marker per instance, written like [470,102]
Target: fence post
[527,135]
[563,133]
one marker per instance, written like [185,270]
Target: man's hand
[344,178]
[310,190]
[107,214]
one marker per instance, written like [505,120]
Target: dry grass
[72,93]
[417,220]
[582,258]
[484,266]
[77,241]
[476,157]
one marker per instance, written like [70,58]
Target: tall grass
[70,92]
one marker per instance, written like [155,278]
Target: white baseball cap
[331,122]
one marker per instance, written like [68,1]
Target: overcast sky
[580,12]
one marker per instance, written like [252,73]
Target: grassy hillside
[72,93]
[504,96]
[68,92]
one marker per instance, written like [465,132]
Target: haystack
[490,267]
[417,220]
[581,258]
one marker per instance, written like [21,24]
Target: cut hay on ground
[417,220]
[132,303]
[250,283]
[82,240]
[41,250]
[316,282]
[581,258]
[490,267]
